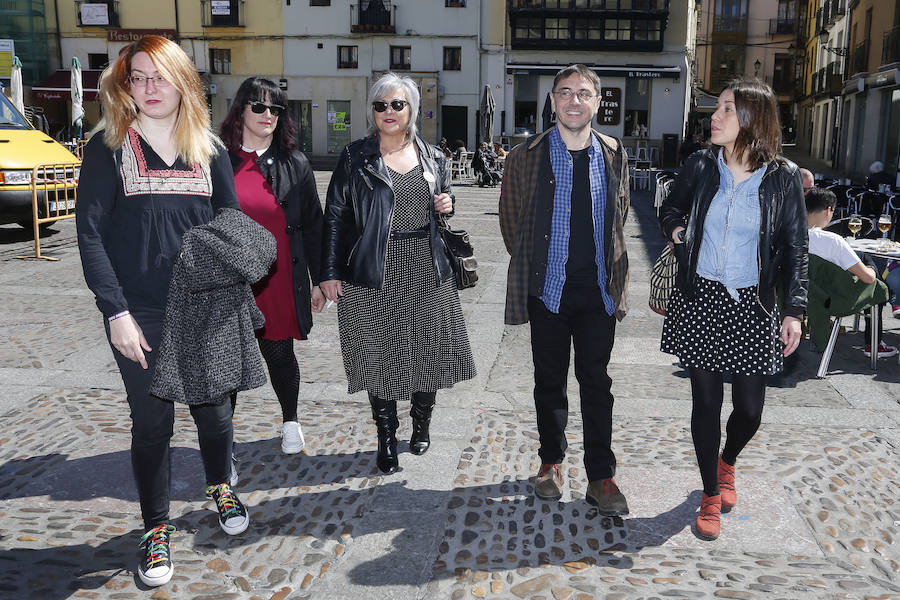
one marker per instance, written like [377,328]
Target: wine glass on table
[854,225]
[884,224]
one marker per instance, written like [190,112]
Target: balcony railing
[890,48]
[374,16]
[859,59]
[782,26]
[733,24]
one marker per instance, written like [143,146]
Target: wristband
[119,315]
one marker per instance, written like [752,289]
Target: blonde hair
[194,140]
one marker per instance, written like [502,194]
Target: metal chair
[870,203]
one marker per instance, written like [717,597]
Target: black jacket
[359,208]
[292,180]
[783,238]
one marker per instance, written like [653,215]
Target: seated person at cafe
[832,247]
[878,176]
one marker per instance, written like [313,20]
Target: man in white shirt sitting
[830,246]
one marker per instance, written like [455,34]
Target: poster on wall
[7,51]
[94,13]
[221,7]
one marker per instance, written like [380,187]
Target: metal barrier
[54,190]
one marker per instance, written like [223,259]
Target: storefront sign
[94,14]
[603,72]
[7,51]
[610,107]
[133,35]
[221,7]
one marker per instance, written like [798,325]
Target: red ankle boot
[726,485]
[708,525]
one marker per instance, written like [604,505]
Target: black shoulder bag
[460,252]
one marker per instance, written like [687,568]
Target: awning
[704,101]
[602,71]
[58,86]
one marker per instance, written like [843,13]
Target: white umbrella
[487,115]
[77,99]
[15,85]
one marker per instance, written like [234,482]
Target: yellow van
[21,148]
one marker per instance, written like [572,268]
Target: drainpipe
[177,30]
[58,35]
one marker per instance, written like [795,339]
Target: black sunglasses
[397,105]
[260,107]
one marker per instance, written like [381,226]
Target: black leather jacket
[783,239]
[294,184]
[359,208]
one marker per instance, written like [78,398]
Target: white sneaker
[292,440]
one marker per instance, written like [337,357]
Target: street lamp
[756,67]
[823,41]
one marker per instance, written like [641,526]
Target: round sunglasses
[260,107]
[397,105]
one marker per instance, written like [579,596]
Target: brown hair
[579,69]
[192,135]
[759,139]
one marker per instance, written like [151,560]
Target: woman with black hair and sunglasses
[275,186]
[401,327]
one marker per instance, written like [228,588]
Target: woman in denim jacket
[737,219]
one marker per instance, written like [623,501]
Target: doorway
[455,124]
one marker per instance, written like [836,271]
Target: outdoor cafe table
[880,248]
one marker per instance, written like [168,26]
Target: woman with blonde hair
[402,331]
[153,170]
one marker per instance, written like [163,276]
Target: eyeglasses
[260,107]
[397,105]
[566,94]
[141,80]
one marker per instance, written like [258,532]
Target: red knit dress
[275,292]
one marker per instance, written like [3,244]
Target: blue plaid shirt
[558,253]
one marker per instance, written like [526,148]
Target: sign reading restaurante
[133,35]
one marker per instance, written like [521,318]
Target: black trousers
[582,321]
[152,422]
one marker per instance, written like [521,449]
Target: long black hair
[256,89]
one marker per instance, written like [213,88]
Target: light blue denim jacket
[728,253]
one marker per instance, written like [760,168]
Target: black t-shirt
[581,268]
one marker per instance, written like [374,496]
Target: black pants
[582,320]
[152,422]
[748,394]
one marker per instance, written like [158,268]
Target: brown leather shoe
[726,485]
[548,482]
[708,525]
[605,495]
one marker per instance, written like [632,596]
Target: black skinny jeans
[582,321]
[152,422]
[748,394]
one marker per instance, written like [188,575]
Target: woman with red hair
[153,171]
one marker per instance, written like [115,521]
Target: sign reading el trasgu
[7,50]
[610,106]
[94,13]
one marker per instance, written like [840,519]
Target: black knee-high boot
[385,414]
[420,410]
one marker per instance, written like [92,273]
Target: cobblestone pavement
[819,486]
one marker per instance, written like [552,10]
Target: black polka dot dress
[409,336]
[713,332]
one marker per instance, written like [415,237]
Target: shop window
[98,61]
[338,125]
[637,107]
[301,113]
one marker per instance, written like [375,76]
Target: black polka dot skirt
[715,333]
[409,336]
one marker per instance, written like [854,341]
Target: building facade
[744,39]
[870,130]
[642,50]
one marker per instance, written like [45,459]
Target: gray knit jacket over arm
[208,347]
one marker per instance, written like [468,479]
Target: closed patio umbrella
[548,118]
[486,127]
[15,85]
[77,99]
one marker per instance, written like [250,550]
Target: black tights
[748,393]
[284,373]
